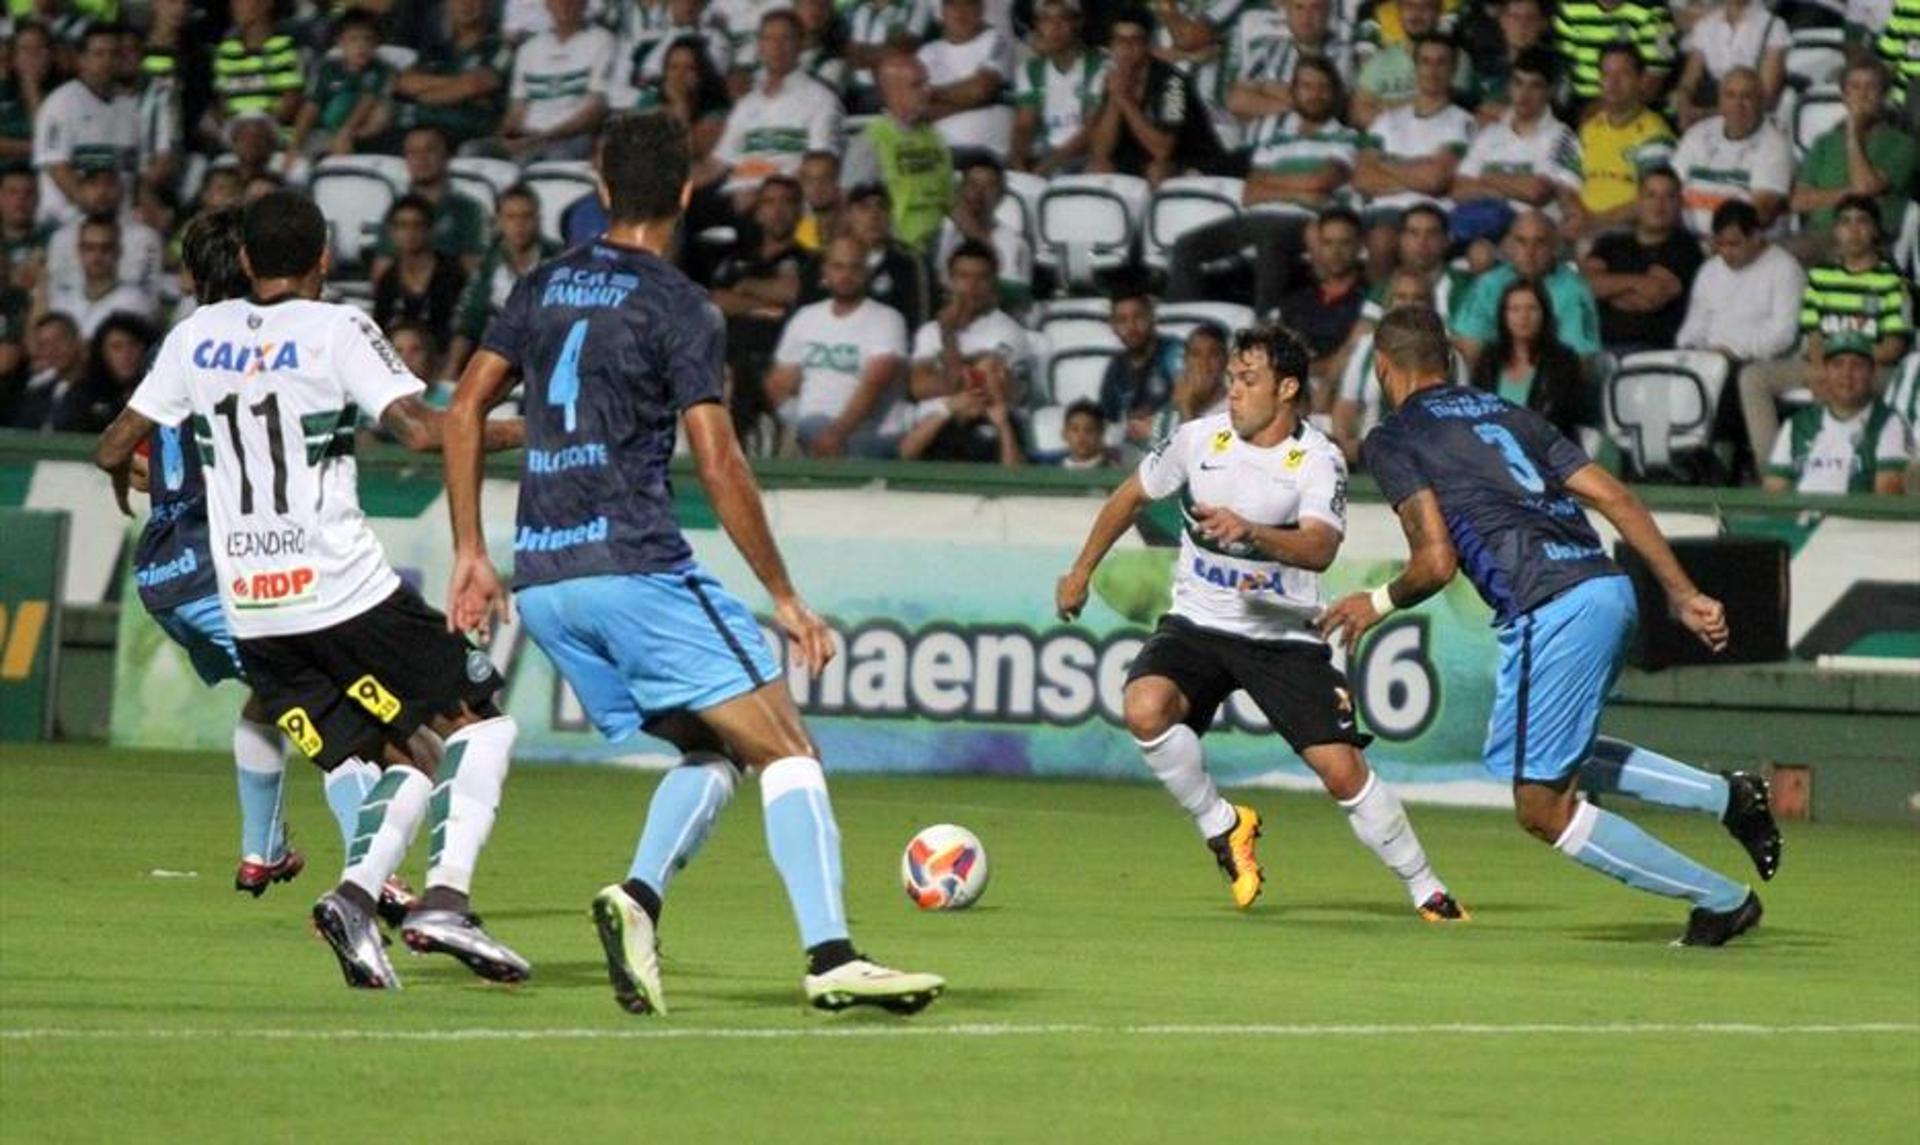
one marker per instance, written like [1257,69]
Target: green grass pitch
[1104,990]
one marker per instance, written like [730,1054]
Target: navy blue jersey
[612,344]
[172,561]
[1499,472]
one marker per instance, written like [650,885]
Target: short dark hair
[1736,213]
[778,179]
[1660,171]
[1084,407]
[1286,352]
[1424,207]
[1325,67]
[981,158]
[1139,15]
[433,129]
[1211,330]
[974,248]
[284,234]
[644,162]
[62,318]
[210,248]
[864,191]
[1865,205]
[518,191]
[1126,287]
[101,28]
[781,14]
[1536,61]
[1345,215]
[411,202]
[1414,338]
[101,220]
[355,18]
[1425,38]
[1620,48]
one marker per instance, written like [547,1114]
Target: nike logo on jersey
[1211,468]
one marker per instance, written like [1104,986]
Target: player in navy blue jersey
[1487,487]
[618,350]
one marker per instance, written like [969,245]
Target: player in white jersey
[1264,497]
[346,660]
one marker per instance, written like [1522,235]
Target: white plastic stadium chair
[1046,433]
[1177,319]
[354,201]
[1025,188]
[1186,204]
[1088,223]
[1906,246]
[1904,394]
[392,168]
[496,173]
[1660,405]
[1817,113]
[1076,374]
[1816,56]
[474,187]
[558,184]
[1072,323]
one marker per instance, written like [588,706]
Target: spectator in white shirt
[559,93]
[970,326]
[839,373]
[1849,443]
[1056,93]
[968,68]
[141,248]
[83,122]
[976,217]
[1265,56]
[99,292]
[1746,300]
[1528,157]
[1411,153]
[1735,34]
[786,115]
[1736,155]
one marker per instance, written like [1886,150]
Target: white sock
[389,819]
[1180,764]
[1379,821]
[465,797]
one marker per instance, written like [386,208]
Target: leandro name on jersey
[271,394]
[1233,589]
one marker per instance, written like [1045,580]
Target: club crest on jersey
[1221,441]
[1296,457]
[212,355]
[273,589]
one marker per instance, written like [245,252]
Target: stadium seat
[1816,113]
[1903,393]
[1077,324]
[1046,433]
[392,168]
[352,292]
[475,188]
[355,201]
[558,184]
[1177,319]
[1077,373]
[399,57]
[1660,405]
[1025,189]
[1906,245]
[1088,223]
[1816,57]
[1184,204]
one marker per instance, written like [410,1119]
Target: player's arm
[1310,545]
[476,594]
[114,452]
[1431,563]
[1702,615]
[423,429]
[1116,516]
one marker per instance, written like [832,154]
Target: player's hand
[476,596]
[1349,619]
[138,473]
[1070,594]
[831,443]
[809,635]
[1705,617]
[1223,526]
[122,480]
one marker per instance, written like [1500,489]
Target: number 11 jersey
[272,393]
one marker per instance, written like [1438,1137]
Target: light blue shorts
[201,628]
[1557,666]
[639,646]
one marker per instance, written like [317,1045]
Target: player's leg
[1176,684]
[685,805]
[1380,821]
[1738,799]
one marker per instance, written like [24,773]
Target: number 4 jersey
[272,393]
[1499,473]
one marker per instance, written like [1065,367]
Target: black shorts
[376,678]
[1294,682]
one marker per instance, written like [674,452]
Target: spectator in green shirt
[257,68]
[347,102]
[1864,154]
[459,223]
[1532,254]
[459,83]
[517,249]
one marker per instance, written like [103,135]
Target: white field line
[1077,1029]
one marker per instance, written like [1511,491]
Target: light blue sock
[260,771]
[805,843]
[684,807]
[1615,847]
[347,787]
[1617,766]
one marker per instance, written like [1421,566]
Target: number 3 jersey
[271,393]
[1499,473]
[1232,588]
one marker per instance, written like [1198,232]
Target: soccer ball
[945,868]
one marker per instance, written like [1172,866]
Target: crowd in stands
[1580,187]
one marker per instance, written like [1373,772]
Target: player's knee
[1149,714]
[1544,821]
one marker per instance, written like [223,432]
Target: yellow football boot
[1233,850]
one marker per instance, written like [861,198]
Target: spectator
[458,83]
[223,187]
[823,198]
[159,146]
[419,352]
[896,275]
[116,363]
[1268,48]
[1745,300]
[1192,31]
[1619,142]
[521,20]
[823,38]
[642,46]
[98,291]
[1301,162]
[1151,121]
[877,29]
[694,93]
[23,238]
[16,307]
[253,143]
[1201,389]
[1848,443]
[902,151]
[558,96]
[1411,153]
[1421,248]
[517,248]
[142,248]
[968,68]
[1528,365]
[1533,255]
[1860,294]
[418,283]
[1084,430]
[761,284]
[84,122]
[1899,46]
[55,397]
[1641,277]
[348,101]
[177,67]
[1390,77]
[1736,155]
[1732,34]
[1522,25]
[1586,29]
[257,69]
[16,121]
[1056,93]
[786,115]
[1139,379]
[839,375]
[1359,407]
[32,77]
[976,422]
[1863,154]
[459,227]
[262,184]
[1527,158]
[1325,311]
[976,218]
[968,328]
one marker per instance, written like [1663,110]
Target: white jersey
[77,127]
[768,134]
[1403,133]
[1233,589]
[555,77]
[1549,149]
[274,392]
[989,127]
[832,351]
[992,333]
[1714,169]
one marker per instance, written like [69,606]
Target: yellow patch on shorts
[372,695]
[299,728]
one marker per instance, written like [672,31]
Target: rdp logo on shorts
[273,589]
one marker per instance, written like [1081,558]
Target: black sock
[446,898]
[646,896]
[358,897]
[829,954]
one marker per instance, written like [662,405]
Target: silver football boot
[461,935]
[356,942]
